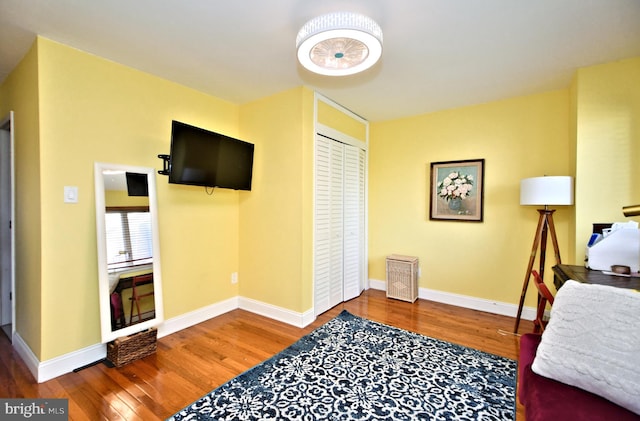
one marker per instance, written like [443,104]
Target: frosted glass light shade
[339,44]
[546,191]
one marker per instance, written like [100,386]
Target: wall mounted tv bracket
[165,164]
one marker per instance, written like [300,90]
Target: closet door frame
[337,136]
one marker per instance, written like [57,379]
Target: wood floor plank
[139,400]
[190,363]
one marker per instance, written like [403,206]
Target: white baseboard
[47,370]
[278,313]
[29,358]
[474,303]
[176,324]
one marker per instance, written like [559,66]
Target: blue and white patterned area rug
[356,369]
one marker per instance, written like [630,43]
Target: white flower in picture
[455,185]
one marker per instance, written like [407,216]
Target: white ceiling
[437,54]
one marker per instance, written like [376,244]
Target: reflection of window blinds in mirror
[128,234]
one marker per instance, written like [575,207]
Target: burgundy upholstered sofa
[547,399]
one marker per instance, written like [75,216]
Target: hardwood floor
[194,361]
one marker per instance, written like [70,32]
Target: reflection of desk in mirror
[562,273]
[118,283]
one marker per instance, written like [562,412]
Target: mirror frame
[103,275]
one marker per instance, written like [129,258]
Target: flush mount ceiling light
[339,44]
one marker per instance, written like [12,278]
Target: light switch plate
[70,194]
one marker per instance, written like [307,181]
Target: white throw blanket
[592,342]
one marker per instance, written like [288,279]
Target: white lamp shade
[546,191]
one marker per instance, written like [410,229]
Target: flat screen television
[200,157]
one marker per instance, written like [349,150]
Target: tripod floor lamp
[543,191]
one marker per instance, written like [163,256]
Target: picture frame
[456,190]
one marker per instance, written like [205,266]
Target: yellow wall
[331,116]
[275,232]
[607,145]
[92,110]
[518,138]
[73,109]
[276,229]
[19,92]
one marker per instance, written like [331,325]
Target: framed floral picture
[456,190]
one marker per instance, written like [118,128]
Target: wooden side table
[561,273]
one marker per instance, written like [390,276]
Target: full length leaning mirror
[130,287]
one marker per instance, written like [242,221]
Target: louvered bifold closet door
[328,247]
[353,216]
[337,224]
[339,238]
[322,243]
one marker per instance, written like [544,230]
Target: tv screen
[203,158]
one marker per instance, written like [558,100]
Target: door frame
[7,134]
[331,133]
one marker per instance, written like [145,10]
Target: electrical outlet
[234,278]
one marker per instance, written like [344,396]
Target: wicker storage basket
[402,277]
[130,348]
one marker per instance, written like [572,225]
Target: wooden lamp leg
[545,225]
